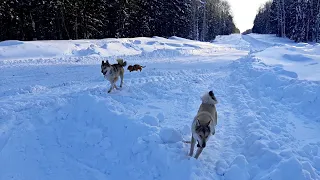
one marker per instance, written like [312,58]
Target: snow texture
[57,120]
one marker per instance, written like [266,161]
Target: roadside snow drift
[57,120]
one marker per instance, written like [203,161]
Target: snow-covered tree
[81,19]
[295,19]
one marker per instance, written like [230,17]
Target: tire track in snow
[177,96]
[267,125]
[256,45]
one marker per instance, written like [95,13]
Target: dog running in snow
[111,72]
[135,67]
[204,123]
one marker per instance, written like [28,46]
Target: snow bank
[279,110]
[238,169]
[82,139]
[304,60]
[288,169]
[272,39]
[105,47]
[299,59]
[233,40]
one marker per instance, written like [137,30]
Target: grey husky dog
[204,123]
[112,72]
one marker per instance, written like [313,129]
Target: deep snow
[57,120]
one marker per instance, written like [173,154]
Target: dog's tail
[209,98]
[121,62]
[188,142]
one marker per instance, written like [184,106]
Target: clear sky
[244,12]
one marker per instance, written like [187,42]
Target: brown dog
[135,67]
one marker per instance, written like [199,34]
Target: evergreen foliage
[84,19]
[295,19]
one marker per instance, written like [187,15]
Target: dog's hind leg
[121,77]
[111,87]
[199,150]
[193,142]
[115,86]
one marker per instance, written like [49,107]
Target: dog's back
[207,110]
[203,125]
[135,67]
[118,69]
[112,72]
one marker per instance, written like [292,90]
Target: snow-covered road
[57,120]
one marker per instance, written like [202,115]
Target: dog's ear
[209,123]
[107,62]
[102,62]
[211,93]
[198,122]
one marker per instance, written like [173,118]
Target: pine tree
[317,29]
[315,10]
[299,31]
[82,19]
[297,19]
[273,19]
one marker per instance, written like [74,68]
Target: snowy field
[57,121]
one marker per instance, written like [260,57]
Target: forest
[298,20]
[96,19]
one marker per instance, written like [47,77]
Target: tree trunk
[284,19]
[204,23]
[63,21]
[33,24]
[194,21]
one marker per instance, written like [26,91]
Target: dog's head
[203,131]
[129,67]
[209,98]
[105,67]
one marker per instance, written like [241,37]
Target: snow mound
[150,120]
[297,57]
[92,49]
[302,60]
[81,138]
[140,46]
[288,169]
[10,43]
[238,169]
[170,135]
[286,117]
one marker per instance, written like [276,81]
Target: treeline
[298,20]
[84,19]
[248,31]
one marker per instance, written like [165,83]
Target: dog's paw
[213,132]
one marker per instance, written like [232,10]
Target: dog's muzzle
[203,145]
